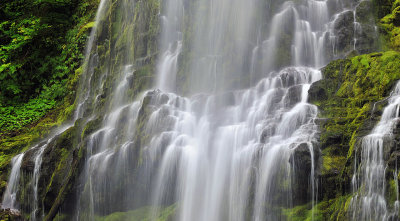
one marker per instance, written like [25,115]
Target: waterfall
[10,196]
[369,182]
[10,199]
[171,45]
[216,150]
[225,133]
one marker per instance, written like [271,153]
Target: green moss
[348,92]
[334,209]
[91,127]
[331,161]
[86,27]
[349,98]
[391,192]
[390,24]
[142,214]
[12,145]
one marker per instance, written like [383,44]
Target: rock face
[366,29]
[350,99]
[343,31]
[10,215]
[51,178]
[361,36]
[301,161]
[61,164]
[350,111]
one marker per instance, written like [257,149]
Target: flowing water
[10,199]
[10,196]
[223,152]
[220,152]
[369,182]
[13,187]
[226,133]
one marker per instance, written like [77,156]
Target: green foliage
[41,47]
[15,117]
[42,69]
[30,35]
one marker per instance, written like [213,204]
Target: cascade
[369,183]
[9,199]
[225,133]
[10,195]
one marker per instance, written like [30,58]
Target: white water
[171,44]
[369,182]
[10,196]
[222,153]
[225,149]
[36,173]
[215,162]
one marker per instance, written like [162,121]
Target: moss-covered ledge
[350,98]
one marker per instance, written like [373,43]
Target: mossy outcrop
[9,215]
[141,214]
[350,97]
[62,158]
[390,23]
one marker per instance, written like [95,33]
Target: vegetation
[141,214]
[388,20]
[62,161]
[351,98]
[41,46]
[334,209]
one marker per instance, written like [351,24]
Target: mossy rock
[142,214]
[333,209]
[351,98]
[9,215]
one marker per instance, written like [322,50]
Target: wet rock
[287,77]
[317,91]
[92,126]
[364,12]
[10,215]
[28,162]
[302,163]
[267,133]
[343,31]
[366,32]
[366,40]
[276,97]
[293,95]
[394,160]
[396,16]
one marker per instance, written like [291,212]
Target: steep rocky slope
[350,98]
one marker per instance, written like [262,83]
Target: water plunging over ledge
[226,133]
[369,202]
